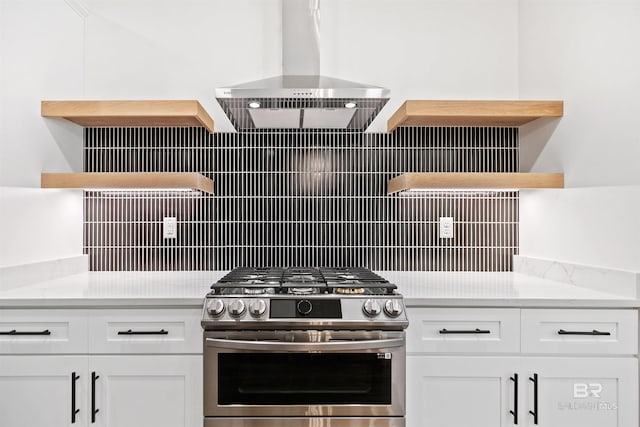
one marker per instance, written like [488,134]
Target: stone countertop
[421,289]
[478,289]
[116,289]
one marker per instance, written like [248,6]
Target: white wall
[586,53]
[41,44]
[423,49]
[418,48]
[168,49]
[592,226]
[39,225]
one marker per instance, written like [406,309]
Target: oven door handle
[304,346]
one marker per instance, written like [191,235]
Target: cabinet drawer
[454,330]
[145,331]
[580,331]
[43,331]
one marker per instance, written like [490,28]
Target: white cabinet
[553,380]
[580,331]
[139,379]
[147,391]
[460,391]
[149,331]
[480,391]
[580,391]
[24,331]
[37,391]
[458,330]
[122,391]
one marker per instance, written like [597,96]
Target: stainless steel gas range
[313,347]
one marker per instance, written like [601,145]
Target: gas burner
[346,276]
[302,278]
[346,283]
[303,291]
[349,291]
[257,291]
[253,282]
[301,270]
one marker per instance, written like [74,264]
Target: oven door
[304,374]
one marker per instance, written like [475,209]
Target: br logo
[583,390]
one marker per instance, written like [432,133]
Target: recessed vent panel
[327,118]
[276,118]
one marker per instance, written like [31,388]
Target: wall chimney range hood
[301,98]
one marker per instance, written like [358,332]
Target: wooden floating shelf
[129,113]
[472,113]
[128,181]
[439,181]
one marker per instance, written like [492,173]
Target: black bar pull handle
[534,379]
[514,378]
[94,410]
[74,410]
[465,331]
[15,332]
[594,332]
[132,332]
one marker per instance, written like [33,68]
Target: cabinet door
[37,391]
[584,392]
[147,391]
[460,391]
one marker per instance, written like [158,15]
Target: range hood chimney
[301,98]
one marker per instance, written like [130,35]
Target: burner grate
[302,281]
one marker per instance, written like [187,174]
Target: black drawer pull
[14,332]
[514,412]
[594,332]
[131,332]
[94,410]
[534,380]
[471,331]
[74,410]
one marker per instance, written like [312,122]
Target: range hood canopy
[307,102]
[301,98]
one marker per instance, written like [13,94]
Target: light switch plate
[170,227]
[446,227]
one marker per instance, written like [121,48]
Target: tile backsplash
[301,198]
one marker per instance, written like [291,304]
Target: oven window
[304,378]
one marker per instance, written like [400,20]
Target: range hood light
[254,104]
[350,105]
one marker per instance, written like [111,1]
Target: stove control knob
[371,308]
[393,308]
[215,307]
[236,308]
[257,308]
[304,307]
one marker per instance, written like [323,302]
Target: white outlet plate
[446,227]
[170,227]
